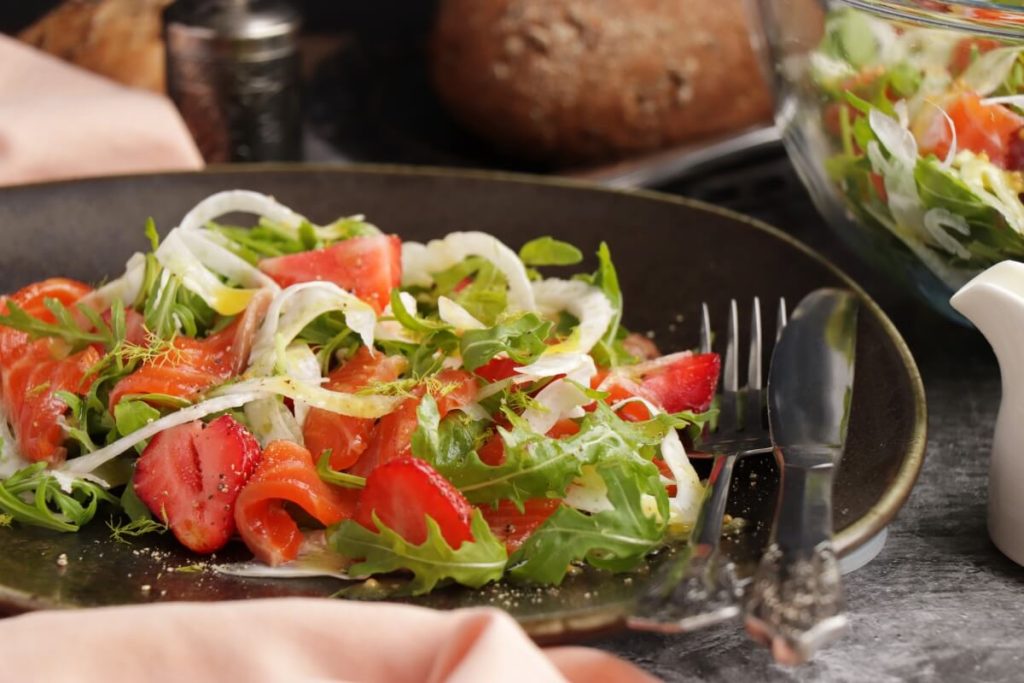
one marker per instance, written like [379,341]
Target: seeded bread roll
[576,81]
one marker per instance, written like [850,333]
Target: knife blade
[794,603]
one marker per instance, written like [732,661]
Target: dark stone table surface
[940,602]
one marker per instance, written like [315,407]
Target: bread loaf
[119,39]
[574,81]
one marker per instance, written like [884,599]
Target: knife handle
[795,603]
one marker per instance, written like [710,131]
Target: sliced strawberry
[392,437]
[513,526]
[497,369]
[369,267]
[190,477]
[286,475]
[348,437]
[404,492]
[686,383]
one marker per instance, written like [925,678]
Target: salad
[441,410]
[926,128]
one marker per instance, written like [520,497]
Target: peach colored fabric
[296,639]
[59,121]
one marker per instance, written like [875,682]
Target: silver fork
[699,588]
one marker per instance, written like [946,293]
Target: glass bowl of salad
[905,120]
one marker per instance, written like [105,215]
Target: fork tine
[780,318]
[730,369]
[705,329]
[754,363]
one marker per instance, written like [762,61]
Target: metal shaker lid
[245,30]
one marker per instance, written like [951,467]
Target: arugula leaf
[169,308]
[547,251]
[269,239]
[65,327]
[132,505]
[76,421]
[329,334]
[330,476]
[412,322]
[50,506]
[131,416]
[427,356]
[535,465]
[486,297]
[450,440]
[616,539]
[522,339]
[151,233]
[474,564]
[609,352]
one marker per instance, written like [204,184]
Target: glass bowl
[904,118]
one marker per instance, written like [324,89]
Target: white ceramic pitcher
[994,302]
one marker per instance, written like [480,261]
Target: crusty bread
[573,81]
[119,39]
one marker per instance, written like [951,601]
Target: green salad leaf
[474,564]
[535,465]
[521,338]
[269,239]
[65,326]
[547,251]
[47,505]
[615,539]
[609,352]
[334,477]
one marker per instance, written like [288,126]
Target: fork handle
[707,529]
[795,601]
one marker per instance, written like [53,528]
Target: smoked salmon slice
[286,474]
[192,366]
[346,436]
[31,371]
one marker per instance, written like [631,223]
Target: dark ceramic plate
[671,255]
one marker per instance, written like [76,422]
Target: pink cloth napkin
[296,639]
[59,121]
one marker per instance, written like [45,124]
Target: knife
[794,603]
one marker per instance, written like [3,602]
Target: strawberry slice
[686,383]
[512,526]
[497,369]
[369,267]
[190,476]
[346,436]
[404,492]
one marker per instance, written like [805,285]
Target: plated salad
[443,411]
[926,127]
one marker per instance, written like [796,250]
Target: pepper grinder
[233,72]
